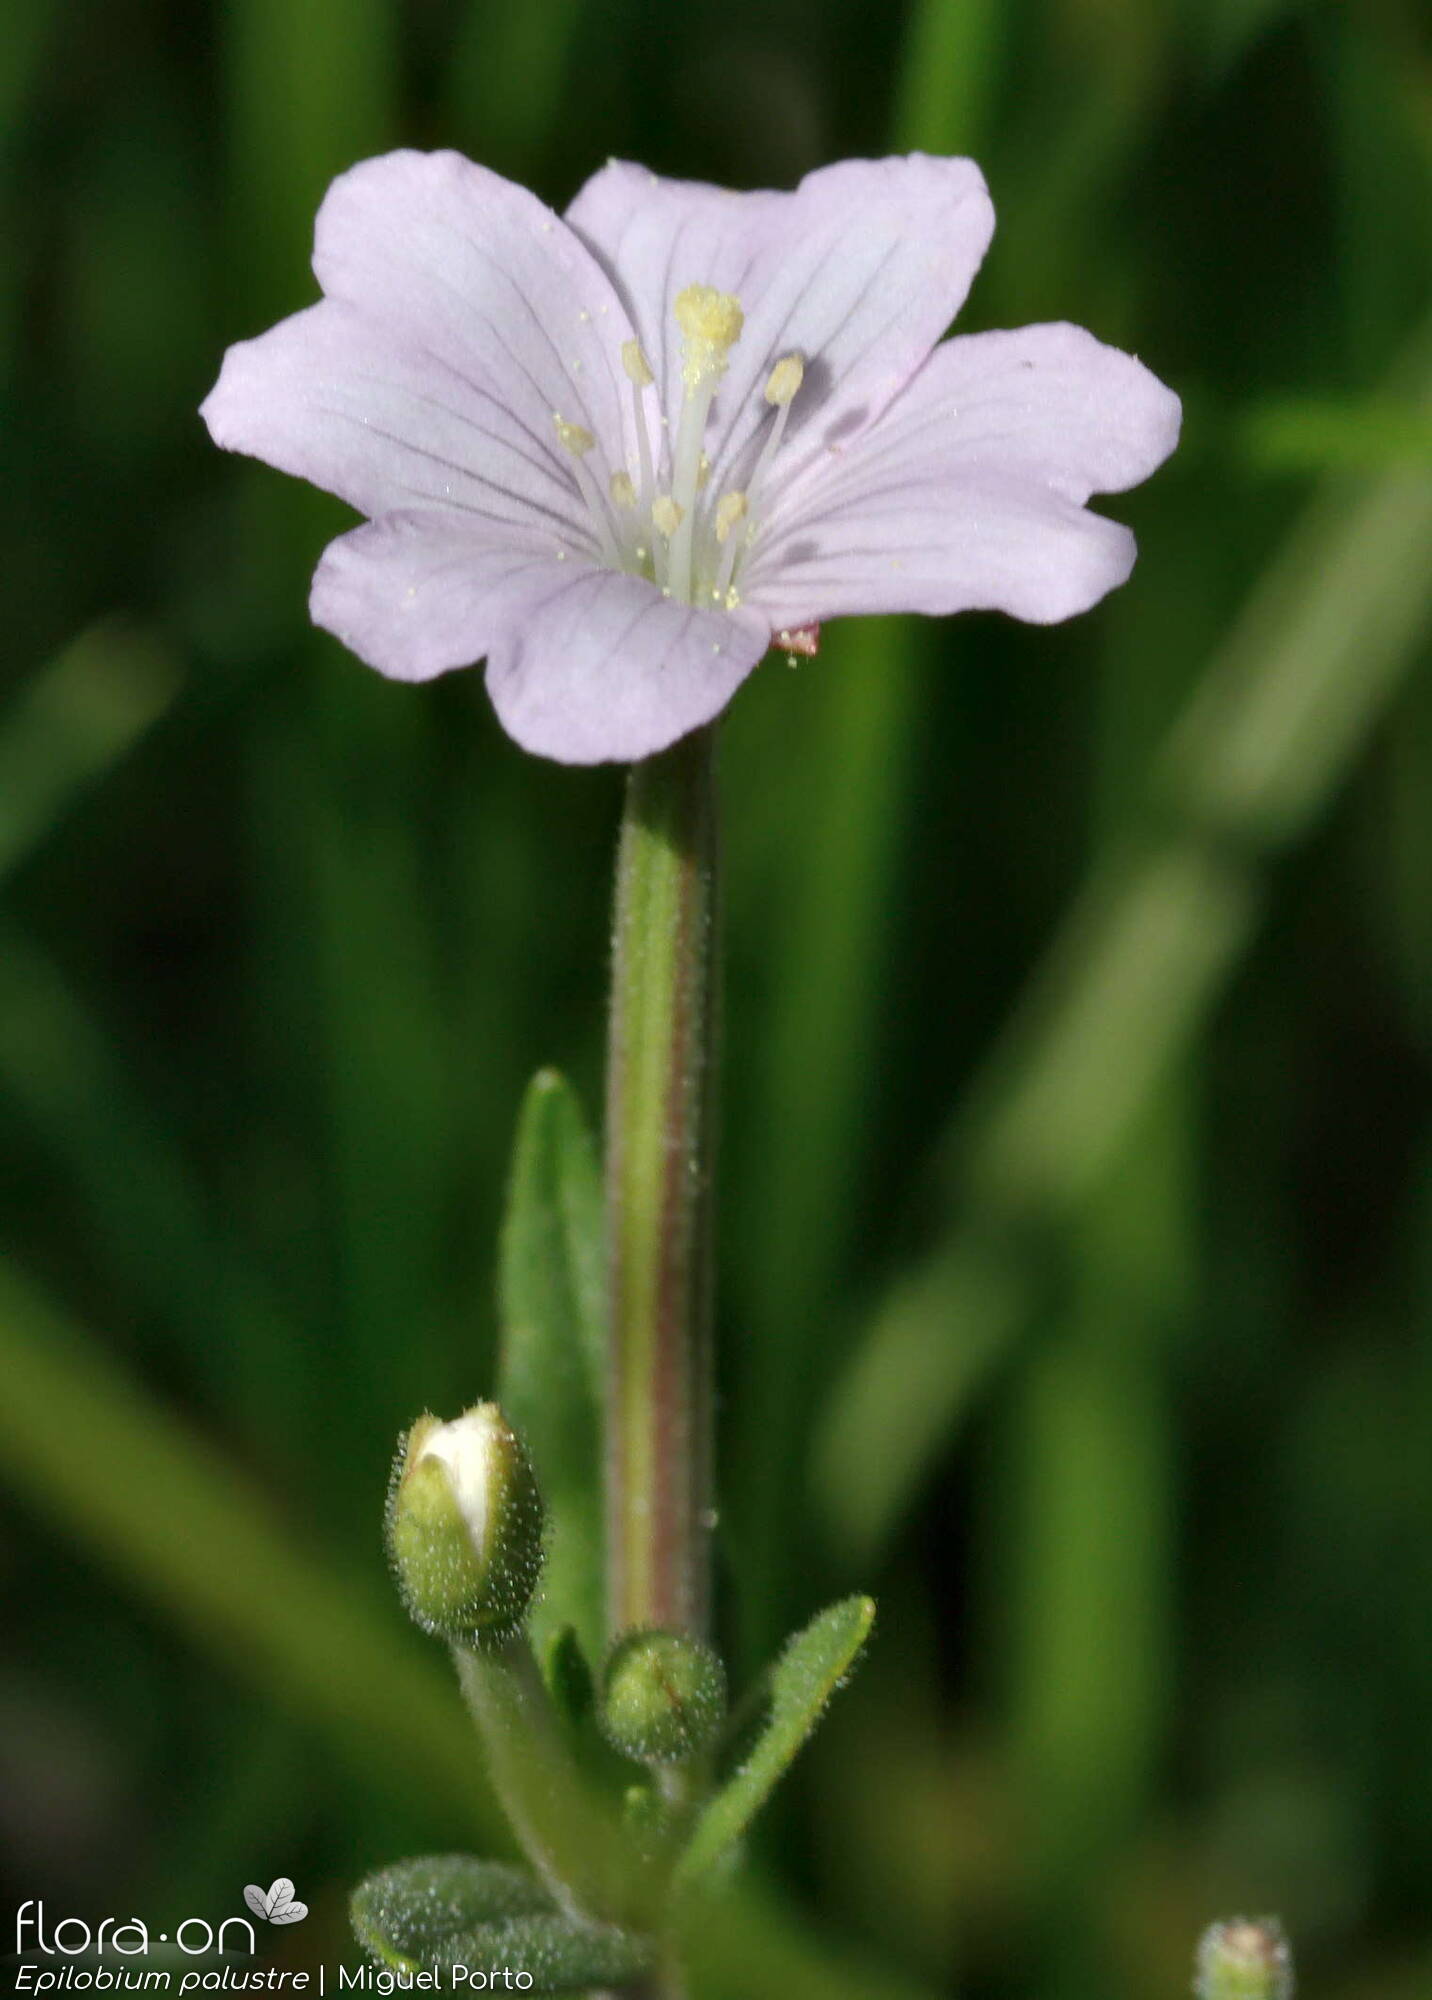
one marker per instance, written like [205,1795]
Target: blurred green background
[1077,1280]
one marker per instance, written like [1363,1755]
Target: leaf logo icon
[275,1904]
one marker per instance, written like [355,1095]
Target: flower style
[617,454]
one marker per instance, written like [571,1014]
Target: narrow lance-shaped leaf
[445,1910]
[802,1682]
[552,1307]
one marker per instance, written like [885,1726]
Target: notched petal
[415,597]
[608,670]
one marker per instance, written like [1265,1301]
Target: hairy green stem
[576,1847]
[659,1148]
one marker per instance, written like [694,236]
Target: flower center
[659,519]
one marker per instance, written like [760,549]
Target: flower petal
[477,272]
[336,399]
[954,545]
[415,594]
[1049,402]
[609,670]
[969,493]
[860,271]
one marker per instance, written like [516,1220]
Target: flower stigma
[661,518]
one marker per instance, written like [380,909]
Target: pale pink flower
[615,453]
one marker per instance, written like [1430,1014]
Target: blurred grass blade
[948,73]
[143,1495]
[1125,987]
[809,1671]
[837,885]
[388,1051]
[1228,29]
[1286,705]
[1088,1544]
[839,890]
[137,1197]
[927,1350]
[505,79]
[1315,436]
[1323,644]
[311,89]
[28,26]
[741,1947]
[552,1346]
[71,722]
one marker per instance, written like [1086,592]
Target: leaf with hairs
[551,1295]
[813,1665]
[445,1910]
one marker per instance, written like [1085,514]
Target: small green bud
[1244,1959]
[464,1526]
[663,1696]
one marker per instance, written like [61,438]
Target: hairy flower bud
[1244,1959]
[464,1526]
[663,1696]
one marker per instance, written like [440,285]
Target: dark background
[1077,1287]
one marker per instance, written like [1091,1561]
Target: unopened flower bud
[464,1526]
[663,1696]
[1244,1959]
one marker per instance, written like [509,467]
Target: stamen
[784,380]
[711,324]
[574,439]
[621,489]
[638,368]
[729,514]
[638,373]
[703,473]
[730,510]
[666,515]
[782,386]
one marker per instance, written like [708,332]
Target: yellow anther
[666,516]
[638,368]
[730,509]
[703,313]
[572,437]
[711,324]
[784,380]
[621,489]
[703,474]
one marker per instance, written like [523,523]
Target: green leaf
[551,1287]
[803,1680]
[446,1910]
[405,1914]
